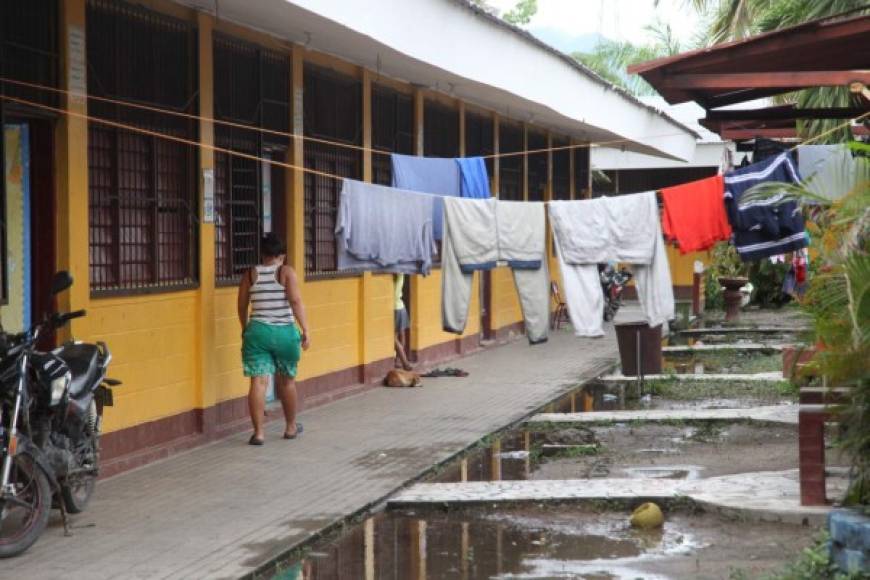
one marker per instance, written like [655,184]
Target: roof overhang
[825,52]
[452,47]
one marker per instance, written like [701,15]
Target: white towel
[625,229]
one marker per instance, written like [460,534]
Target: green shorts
[269,348]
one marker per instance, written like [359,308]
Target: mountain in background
[565,41]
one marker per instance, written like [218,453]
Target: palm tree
[736,19]
[610,58]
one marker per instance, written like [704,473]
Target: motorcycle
[613,283]
[51,408]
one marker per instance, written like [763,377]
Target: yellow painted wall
[153,340]
[683,266]
[426,312]
[505,303]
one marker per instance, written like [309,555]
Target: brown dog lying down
[400,378]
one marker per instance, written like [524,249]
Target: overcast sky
[575,24]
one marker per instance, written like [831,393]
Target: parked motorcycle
[51,407]
[613,283]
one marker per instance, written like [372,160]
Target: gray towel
[384,229]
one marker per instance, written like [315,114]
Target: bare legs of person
[401,355]
[257,407]
[287,394]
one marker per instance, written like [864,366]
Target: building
[156,210]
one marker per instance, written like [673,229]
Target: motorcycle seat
[83,361]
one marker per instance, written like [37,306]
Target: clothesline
[287,135]
[273,162]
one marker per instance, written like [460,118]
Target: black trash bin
[634,336]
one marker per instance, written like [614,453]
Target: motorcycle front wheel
[24,515]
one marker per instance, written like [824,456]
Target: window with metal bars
[332,107]
[440,130]
[479,138]
[537,175]
[510,140]
[29,49]
[561,169]
[581,172]
[392,130]
[142,187]
[251,87]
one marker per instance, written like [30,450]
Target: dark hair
[271,246]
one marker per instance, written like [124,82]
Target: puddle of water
[564,542]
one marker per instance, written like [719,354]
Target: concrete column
[572,185]
[366,303]
[461,107]
[296,189]
[417,281]
[71,137]
[207,394]
[496,162]
[525,162]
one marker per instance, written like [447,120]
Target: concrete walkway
[761,496]
[787,414]
[223,510]
[743,330]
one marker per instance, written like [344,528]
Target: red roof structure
[826,52]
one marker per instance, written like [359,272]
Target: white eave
[452,47]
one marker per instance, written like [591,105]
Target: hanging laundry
[436,175]
[625,229]
[384,229]
[766,227]
[474,178]
[478,235]
[830,170]
[695,215]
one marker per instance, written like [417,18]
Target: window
[510,167]
[581,172]
[440,130]
[332,106]
[392,130]
[537,166]
[479,138]
[252,87]
[561,169]
[142,187]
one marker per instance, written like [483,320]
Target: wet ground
[675,451]
[546,543]
[571,541]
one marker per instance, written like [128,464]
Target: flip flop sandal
[299,430]
[254,441]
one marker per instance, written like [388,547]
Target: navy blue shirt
[767,227]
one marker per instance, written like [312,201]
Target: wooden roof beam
[766,80]
[784,113]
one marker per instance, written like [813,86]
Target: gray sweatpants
[480,233]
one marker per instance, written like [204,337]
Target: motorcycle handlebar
[72,315]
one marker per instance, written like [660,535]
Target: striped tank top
[269,299]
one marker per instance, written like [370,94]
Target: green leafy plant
[838,302]
[766,279]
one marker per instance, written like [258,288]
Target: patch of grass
[814,563]
[674,389]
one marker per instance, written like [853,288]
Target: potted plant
[731,274]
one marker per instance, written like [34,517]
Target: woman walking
[274,332]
